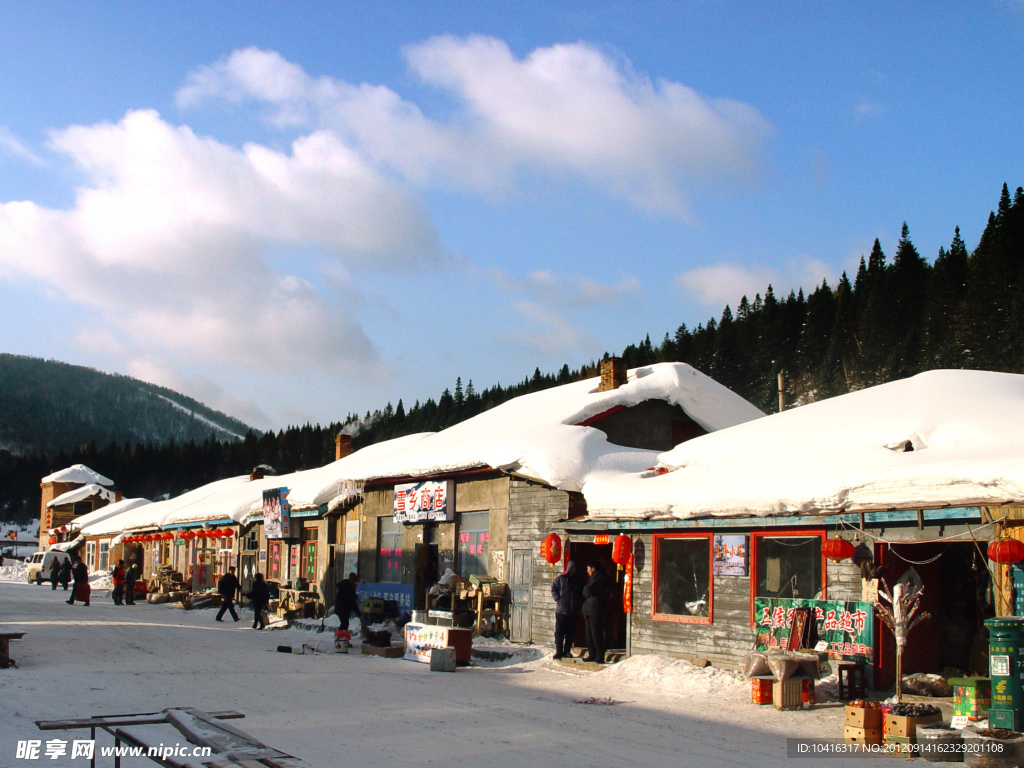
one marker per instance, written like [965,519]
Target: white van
[39,565]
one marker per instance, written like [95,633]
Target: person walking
[65,574]
[227,586]
[346,601]
[118,578]
[82,589]
[567,593]
[54,572]
[595,595]
[130,577]
[259,597]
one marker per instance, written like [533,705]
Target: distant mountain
[49,407]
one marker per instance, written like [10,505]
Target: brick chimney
[342,446]
[613,373]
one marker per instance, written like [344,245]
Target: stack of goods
[862,722]
[900,722]
[972,697]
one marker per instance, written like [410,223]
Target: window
[104,555]
[275,560]
[389,551]
[90,554]
[474,541]
[788,565]
[682,578]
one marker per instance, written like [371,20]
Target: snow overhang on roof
[80,494]
[77,473]
[87,521]
[847,453]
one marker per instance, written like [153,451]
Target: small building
[727,535]
[67,494]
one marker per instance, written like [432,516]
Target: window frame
[397,559]
[787,533]
[459,563]
[656,547]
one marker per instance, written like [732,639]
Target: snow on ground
[349,709]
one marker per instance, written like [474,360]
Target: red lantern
[227,532]
[167,536]
[551,549]
[53,539]
[1006,550]
[621,550]
[838,549]
[188,535]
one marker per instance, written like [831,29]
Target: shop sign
[276,514]
[421,639]
[847,627]
[427,500]
[350,563]
[400,593]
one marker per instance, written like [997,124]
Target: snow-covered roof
[77,473]
[538,436]
[88,521]
[844,454]
[79,494]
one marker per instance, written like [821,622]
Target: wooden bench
[5,647]
[229,747]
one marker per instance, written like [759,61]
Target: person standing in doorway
[259,597]
[595,595]
[568,596]
[118,578]
[227,586]
[346,601]
[81,589]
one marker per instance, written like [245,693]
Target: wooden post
[782,392]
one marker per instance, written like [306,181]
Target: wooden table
[5,647]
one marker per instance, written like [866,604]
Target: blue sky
[294,211]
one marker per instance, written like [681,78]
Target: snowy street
[354,710]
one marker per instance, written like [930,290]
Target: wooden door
[521,585]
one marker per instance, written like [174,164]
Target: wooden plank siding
[534,511]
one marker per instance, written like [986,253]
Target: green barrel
[1006,667]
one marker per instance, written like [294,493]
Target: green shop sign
[847,627]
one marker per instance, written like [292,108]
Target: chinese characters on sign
[427,500]
[730,556]
[846,627]
[276,523]
[421,639]
[399,593]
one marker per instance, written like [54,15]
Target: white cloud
[567,108]
[567,291]
[12,146]
[172,237]
[725,283]
[554,335]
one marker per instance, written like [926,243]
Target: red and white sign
[427,500]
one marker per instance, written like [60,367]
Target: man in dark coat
[130,577]
[595,595]
[227,586]
[568,596]
[346,602]
[65,574]
[118,578]
[54,572]
[259,597]
[81,589]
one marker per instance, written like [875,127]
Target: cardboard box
[972,697]
[853,735]
[901,727]
[788,694]
[861,717]
[901,745]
